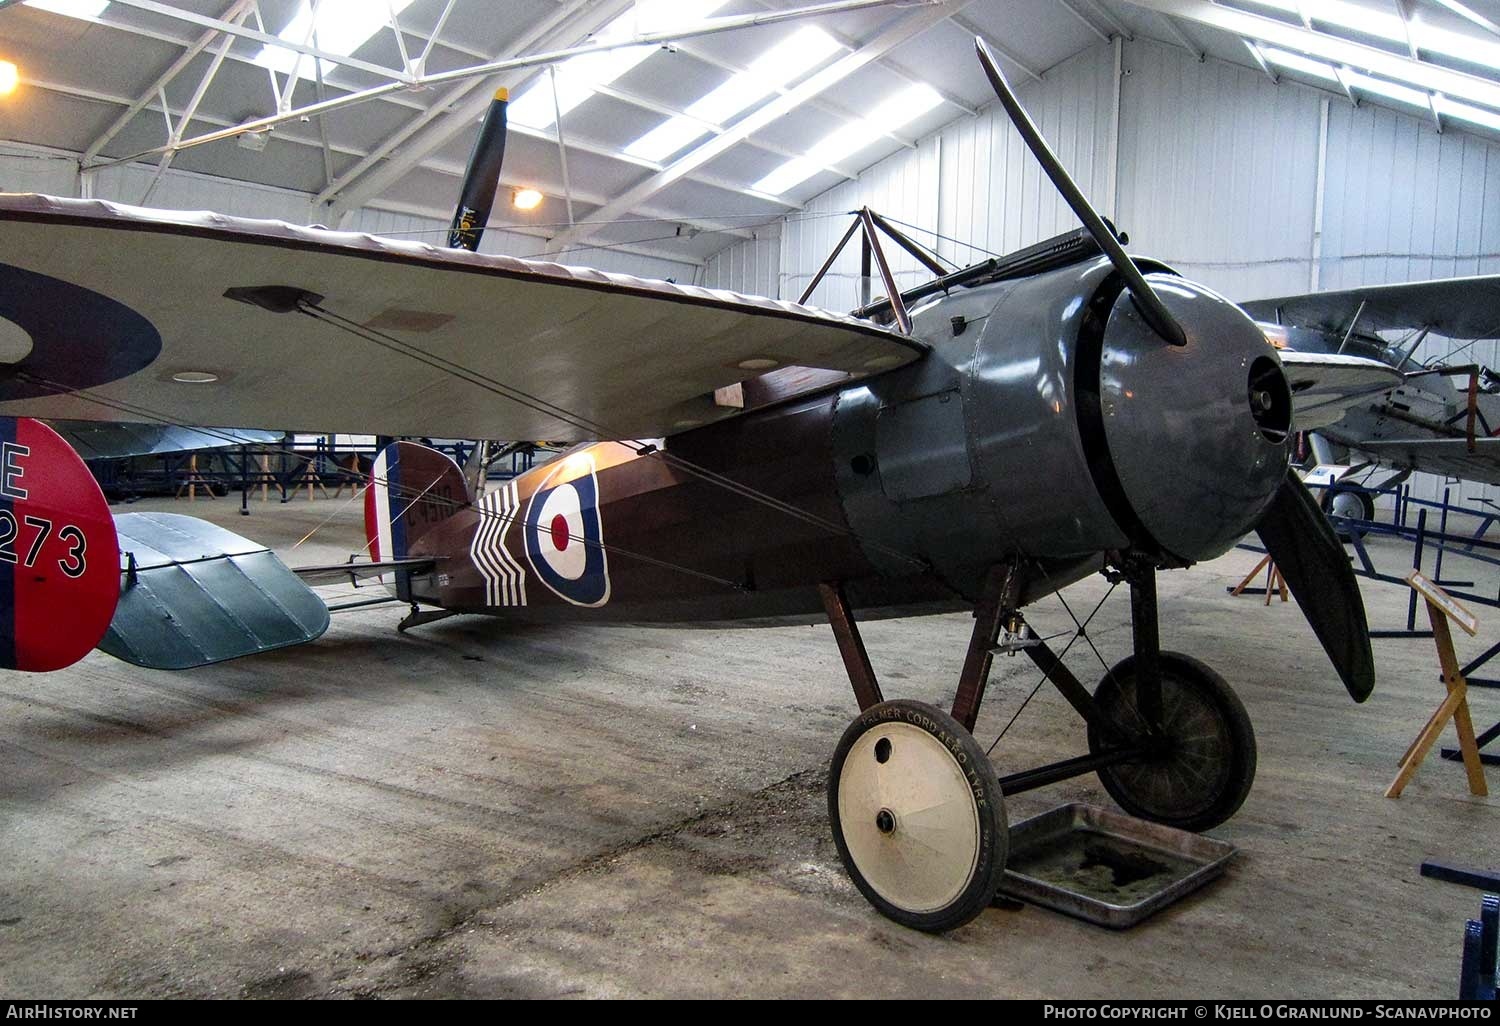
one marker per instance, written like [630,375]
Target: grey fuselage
[1048,423]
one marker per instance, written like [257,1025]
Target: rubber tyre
[904,721]
[1366,509]
[1205,777]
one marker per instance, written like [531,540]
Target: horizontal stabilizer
[196,594]
[353,573]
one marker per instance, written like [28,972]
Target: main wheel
[1348,503]
[917,815]
[1204,760]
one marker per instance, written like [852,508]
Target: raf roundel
[565,539]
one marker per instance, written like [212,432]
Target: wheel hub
[909,817]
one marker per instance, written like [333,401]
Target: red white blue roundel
[565,539]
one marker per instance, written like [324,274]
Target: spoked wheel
[1203,762]
[917,815]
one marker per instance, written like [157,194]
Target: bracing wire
[398,492]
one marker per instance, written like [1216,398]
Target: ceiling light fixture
[10,77]
[526,199]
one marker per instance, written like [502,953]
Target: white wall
[1217,174]
[971,186]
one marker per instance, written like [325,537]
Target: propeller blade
[1312,561]
[481,178]
[1151,306]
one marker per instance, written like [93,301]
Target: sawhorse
[1441,607]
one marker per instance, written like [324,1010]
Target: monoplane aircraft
[976,443]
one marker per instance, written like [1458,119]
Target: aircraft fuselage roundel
[564,533]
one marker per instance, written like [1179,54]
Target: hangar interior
[636,812]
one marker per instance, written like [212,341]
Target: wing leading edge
[1325,385]
[1457,308]
[127,319]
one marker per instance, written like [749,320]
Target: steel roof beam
[171,71]
[838,110]
[1329,48]
[974,30]
[1084,19]
[455,171]
[437,133]
[240,31]
[1186,41]
[465,102]
[897,33]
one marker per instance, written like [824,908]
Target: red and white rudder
[412,489]
[59,554]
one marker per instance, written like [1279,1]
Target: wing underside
[1450,456]
[1325,385]
[127,319]
[1457,308]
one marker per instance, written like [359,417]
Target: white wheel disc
[908,816]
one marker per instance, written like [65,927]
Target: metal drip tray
[1106,867]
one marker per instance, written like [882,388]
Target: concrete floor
[470,810]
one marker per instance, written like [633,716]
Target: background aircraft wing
[126,317]
[1457,308]
[1324,385]
[1449,456]
[94,440]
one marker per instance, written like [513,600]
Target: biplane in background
[1439,417]
[978,443]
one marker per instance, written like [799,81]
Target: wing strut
[873,225]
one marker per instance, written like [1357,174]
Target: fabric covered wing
[1458,308]
[119,304]
[1449,456]
[96,441]
[1324,385]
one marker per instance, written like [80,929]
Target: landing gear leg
[916,808]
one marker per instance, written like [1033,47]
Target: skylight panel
[71,8]
[343,27]
[1463,112]
[1297,62]
[895,112]
[1356,17]
[1390,90]
[579,77]
[667,138]
[788,60]
[1456,44]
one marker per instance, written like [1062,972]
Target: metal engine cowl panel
[1196,434]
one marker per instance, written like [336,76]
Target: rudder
[413,488]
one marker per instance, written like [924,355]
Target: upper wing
[1450,456]
[1459,308]
[1324,385]
[127,319]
